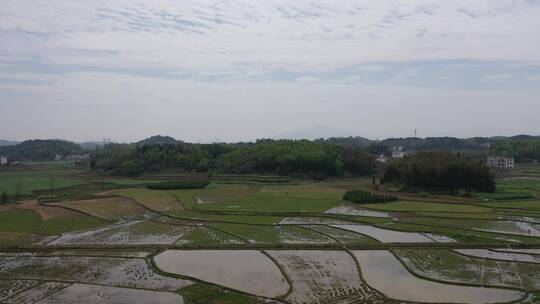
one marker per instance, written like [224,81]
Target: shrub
[48,198]
[176,185]
[366,197]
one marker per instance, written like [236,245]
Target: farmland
[70,233]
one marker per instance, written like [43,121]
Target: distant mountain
[4,143]
[157,140]
[40,150]
[314,133]
[91,145]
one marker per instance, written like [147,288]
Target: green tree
[4,198]
[442,170]
[51,185]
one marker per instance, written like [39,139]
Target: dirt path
[47,212]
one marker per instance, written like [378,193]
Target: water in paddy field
[501,256]
[349,210]
[95,294]
[246,270]
[383,271]
[389,236]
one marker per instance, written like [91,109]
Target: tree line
[40,150]
[367,197]
[521,149]
[442,170]
[302,158]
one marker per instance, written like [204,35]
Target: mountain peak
[158,140]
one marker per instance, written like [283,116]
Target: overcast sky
[243,69]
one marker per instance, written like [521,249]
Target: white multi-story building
[3,160]
[500,163]
[398,152]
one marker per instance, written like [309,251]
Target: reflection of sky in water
[383,271]
[387,236]
[348,210]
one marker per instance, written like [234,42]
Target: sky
[236,70]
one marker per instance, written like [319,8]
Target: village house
[3,161]
[500,163]
[398,152]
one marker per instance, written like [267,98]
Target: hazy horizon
[286,136]
[240,70]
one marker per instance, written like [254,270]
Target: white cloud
[241,36]
[68,67]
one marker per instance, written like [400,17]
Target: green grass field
[28,221]
[255,233]
[427,207]
[310,198]
[19,221]
[200,293]
[513,189]
[525,205]
[26,179]
[226,203]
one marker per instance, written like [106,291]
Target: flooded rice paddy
[498,255]
[118,272]
[383,271]
[514,227]
[293,276]
[322,276]
[350,210]
[96,294]
[392,236]
[449,266]
[310,220]
[125,232]
[520,250]
[37,293]
[249,271]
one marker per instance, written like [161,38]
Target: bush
[48,198]
[366,197]
[506,196]
[199,184]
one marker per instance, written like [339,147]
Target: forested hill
[475,144]
[4,143]
[157,140]
[201,157]
[273,157]
[40,150]
[522,148]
